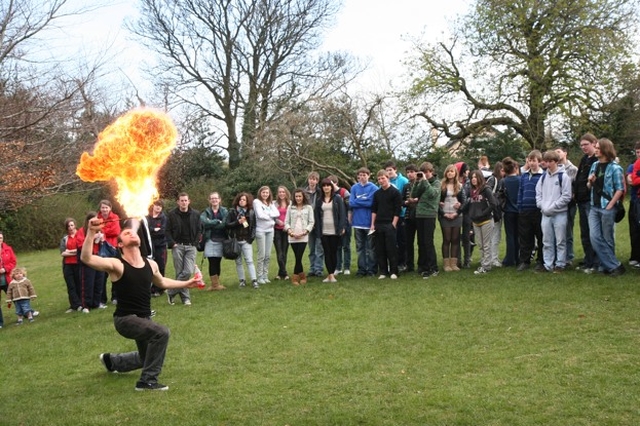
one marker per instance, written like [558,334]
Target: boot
[215,284]
[453,264]
[447,264]
[303,278]
[295,279]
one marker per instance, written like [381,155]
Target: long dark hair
[236,200]
[479,179]
[305,199]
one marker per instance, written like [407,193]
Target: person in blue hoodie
[529,216]
[553,195]
[359,217]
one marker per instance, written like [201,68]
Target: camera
[420,175]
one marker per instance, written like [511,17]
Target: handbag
[619,212]
[107,250]
[230,248]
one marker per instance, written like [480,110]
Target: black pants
[386,248]
[330,245]
[410,230]
[427,257]
[281,242]
[298,252]
[530,235]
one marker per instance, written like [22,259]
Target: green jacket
[428,194]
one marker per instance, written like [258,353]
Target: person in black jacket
[385,213]
[330,224]
[480,210]
[183,231]
[241,223]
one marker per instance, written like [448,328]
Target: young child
[21,292]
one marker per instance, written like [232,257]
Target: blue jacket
[360,204]
[527,191]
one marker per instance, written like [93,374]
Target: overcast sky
[373,30]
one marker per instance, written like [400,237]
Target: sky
[375,31]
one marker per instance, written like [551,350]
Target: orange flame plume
[131,150]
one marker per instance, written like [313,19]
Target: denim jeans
[512,255]
[344,251]
[554,240]
[364,249]
[264,241]
[602,232]
[152,340]
[246,253]
[316,255]
[184,263]
[590,257]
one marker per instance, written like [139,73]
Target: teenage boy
[385,213]
[529,216]
[182,237]
[316,254]
[396,179]
[582,195]
[427,192]
[553,194]
[360,220]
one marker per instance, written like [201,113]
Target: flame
[131,150]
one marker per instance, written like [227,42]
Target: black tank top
[134,291]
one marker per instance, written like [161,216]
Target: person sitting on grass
[132,276]
[20,292]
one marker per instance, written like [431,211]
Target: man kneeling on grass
[132,276]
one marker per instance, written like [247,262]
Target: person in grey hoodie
[553,194]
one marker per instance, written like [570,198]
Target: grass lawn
[505,348]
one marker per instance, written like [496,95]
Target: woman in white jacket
[266,214]
[298,224]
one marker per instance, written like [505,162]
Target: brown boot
[295,279]
[215,284]
[453,264]
[447,264]
[303,278]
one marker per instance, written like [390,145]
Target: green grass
[502,349]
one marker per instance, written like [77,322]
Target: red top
[72,244]
[80,237]
[7,260]
[111,228]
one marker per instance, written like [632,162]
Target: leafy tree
[520,64]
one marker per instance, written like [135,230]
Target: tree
[42,104]
[239,62]
[521,63]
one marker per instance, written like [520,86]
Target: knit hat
[462,167]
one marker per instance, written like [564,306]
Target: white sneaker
[102,306]
[187,302]
[496,264]
[68,311]
[35,313]
[85,310]
[393,277]
[347,272]
[382,277]
[337,272]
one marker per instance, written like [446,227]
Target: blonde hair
[18,269]
[456,182]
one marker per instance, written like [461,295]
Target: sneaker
[153,313]
[266,281]
[480,271]
[634,263]
[79,309]
[402,268]
[255,284]
[114,302]
[497,264]
[32,319]
[142,386]
[170,299]
[522,267]
[68,311]
[589,271]
[278,278]
[105,359]
[428,274]
[337,272]
[19,322]
[347,272]
[286,277]
[261,282]
[102,306]
[618,271]
[35,313]
[85,310]
[382,277]
[326,280]
[393,277]
[187,302]
[242,284]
